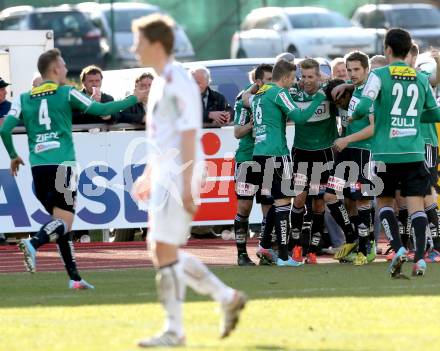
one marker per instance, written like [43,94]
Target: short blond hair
[156,28]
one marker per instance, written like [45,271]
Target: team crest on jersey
[44,89]
[403,73]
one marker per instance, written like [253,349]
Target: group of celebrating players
[382,156]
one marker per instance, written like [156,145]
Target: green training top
[321,130]
[402,100]
[47,115]
[271,107]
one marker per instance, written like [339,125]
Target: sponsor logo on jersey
[322,112]
[403,73]
[41,138]
[286,101]
[242,118]
[260,138]
[402,132]
[44,89]
[49,145]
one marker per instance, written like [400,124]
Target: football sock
[241,227]
[390,227]
[282,229]
[266,237]
[403,227]
[67,253]
[296,222]
[363,228]
[317,229]
[419,224]
[339,213]
[51,231]
[171,292]
[197,276]
[432,213]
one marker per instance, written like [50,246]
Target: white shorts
[169,222]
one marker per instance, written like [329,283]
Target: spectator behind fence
[91,79]
[216,110]
[5,105]
[339,70]
[136,114]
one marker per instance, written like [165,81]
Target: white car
[303,31]
[123,14]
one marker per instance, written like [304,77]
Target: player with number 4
[47,115]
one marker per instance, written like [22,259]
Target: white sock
[171,292]
[197,276]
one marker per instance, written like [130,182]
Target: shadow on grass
[134,286]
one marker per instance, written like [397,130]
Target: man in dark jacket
[91,79]
[216,110]
[136,113]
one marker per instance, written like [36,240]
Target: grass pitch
[328,307]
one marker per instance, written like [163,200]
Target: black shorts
[352,174]
[312,170]
[55,186]
[274,176]
[412,178]
[244,189]
[431,160]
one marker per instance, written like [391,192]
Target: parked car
[303,31]
[123,14]
[228,76]
[78,39]
[421,20]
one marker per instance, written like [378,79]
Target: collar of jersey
[265,87]
[44,87]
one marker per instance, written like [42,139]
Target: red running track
[95,256]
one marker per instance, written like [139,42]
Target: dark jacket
[134,114]
[5,106]
[79,117]
[215,102]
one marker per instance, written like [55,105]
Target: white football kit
[174,106]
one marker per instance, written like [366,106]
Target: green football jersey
[246,144]
[358,124]
[429,131]
[321,130]
[47,115]
[271,107]
[400,95]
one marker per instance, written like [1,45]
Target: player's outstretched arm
[302,116]
[85,104]
[6,134]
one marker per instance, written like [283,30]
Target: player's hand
[435,54]
[218,117]
[341,144]
[15,165]
[338,91]
[141,95]
[96,95]
[188,201]
[141,188]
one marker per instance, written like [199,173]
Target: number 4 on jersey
[43,114]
